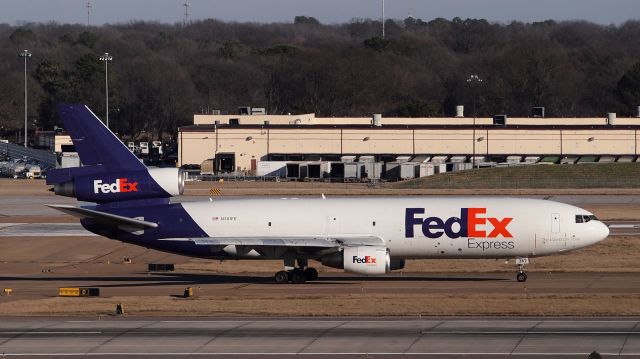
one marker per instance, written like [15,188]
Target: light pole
[106,58]
[25,55]
[474,81]
[383,19]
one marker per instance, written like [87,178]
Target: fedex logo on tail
[472,223]
[120,185]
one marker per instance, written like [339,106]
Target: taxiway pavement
[328,337]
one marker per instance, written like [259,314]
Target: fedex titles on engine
[120,185]
[472,224]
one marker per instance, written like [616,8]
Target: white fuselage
[412,227]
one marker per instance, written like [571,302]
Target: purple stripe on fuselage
[173,222]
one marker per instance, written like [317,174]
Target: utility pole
[89,6]
[25,55]
[383,19]
[474,82]
[186,13]
[106,58]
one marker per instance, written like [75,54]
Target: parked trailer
[438,159]
[459,159]
[531,159]
[569,160]
[514,159]
[409,170]
[293,170]
[426,169]
[337,170]
[352,171]
[461,166]
[144,148]
[271,169]
[206,167]
[372,170]
[314,170]
[607,159]
[392,171]
[367,159]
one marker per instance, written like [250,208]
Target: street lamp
[25,55]
[106,58]
[474,81]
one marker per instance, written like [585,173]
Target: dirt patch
[356,304]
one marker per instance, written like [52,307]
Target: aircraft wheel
[281,277]
[297,277]
[521,277]
[311,274]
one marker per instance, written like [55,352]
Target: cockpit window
[584,218]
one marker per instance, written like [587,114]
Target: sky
[327,11]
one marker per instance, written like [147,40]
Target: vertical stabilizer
[95,143]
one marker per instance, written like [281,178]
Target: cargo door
[555,223]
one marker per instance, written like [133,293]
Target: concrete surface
[345,337]
[43,229]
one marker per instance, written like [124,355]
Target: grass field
[592,175]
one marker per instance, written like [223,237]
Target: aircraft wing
[102,217]
[285,241]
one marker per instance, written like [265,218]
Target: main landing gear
[520,263]
[296,275]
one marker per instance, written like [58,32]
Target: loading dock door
[555,223]
[226,162]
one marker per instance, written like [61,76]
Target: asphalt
[337,338]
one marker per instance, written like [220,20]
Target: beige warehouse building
[242,141]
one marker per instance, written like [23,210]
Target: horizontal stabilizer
[102,217]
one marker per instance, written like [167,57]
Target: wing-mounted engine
[87,184]
[363,260]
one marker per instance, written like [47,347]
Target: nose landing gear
[521,276]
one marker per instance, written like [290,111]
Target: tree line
[161,74]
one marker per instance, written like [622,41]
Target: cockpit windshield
[584,218]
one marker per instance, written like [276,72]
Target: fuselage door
[555,222]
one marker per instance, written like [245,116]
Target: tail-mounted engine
[87,184]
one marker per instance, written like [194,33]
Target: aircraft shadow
[187,279]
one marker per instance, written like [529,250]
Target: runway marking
[338,325]
[525,332]
[316,354]
[49,332]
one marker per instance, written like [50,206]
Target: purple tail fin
[95,143]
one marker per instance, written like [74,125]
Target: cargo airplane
[364,235]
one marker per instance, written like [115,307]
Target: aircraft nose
[601,232]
